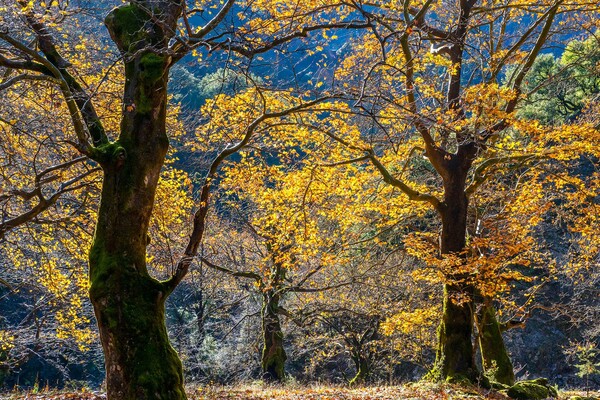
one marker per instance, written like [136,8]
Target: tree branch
[479,176]
[410,192]
[45,203]
[200,215]
[213,23]
[535,51]
[237,274]
[81,98]
[81,129]
[249,52]
[26,77]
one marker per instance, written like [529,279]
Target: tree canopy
[343,171]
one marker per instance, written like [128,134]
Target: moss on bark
[455,361]
[127,24]
[496,362]
[139,37]
[109,153]
[129,307]
[362,371]
[152,67]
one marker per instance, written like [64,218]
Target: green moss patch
[536,389]
[109,153]
[152,67]
[127,25]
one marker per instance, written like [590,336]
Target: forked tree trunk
[129,304]
[359,350]
[273,353]
[494,357]
[363,369]
[455,360]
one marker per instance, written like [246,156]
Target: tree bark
[362,369]
[455,360]
[273,353]
[129,304]
[361,355]
[494,357]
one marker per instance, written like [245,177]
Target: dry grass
[415,391]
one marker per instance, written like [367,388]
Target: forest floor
[417,391]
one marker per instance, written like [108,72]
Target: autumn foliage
[336,191]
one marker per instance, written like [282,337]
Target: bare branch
[213,23]
[410,192]
[26,77]
[237,274]
[251,52]
[45,203]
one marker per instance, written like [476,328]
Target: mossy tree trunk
[361,353]
[273,354]
[494,357]
[129,304]
[363,368]
[455,360]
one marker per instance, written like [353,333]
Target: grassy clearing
[415,391]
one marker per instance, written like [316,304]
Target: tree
[463,124]
[287,240]
[128,301]
[560,88]
[466,128]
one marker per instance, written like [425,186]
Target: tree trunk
[200,308]
[273,354]
[361,355]
[494,357]
[362,369]
[455,360]
[129,304]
